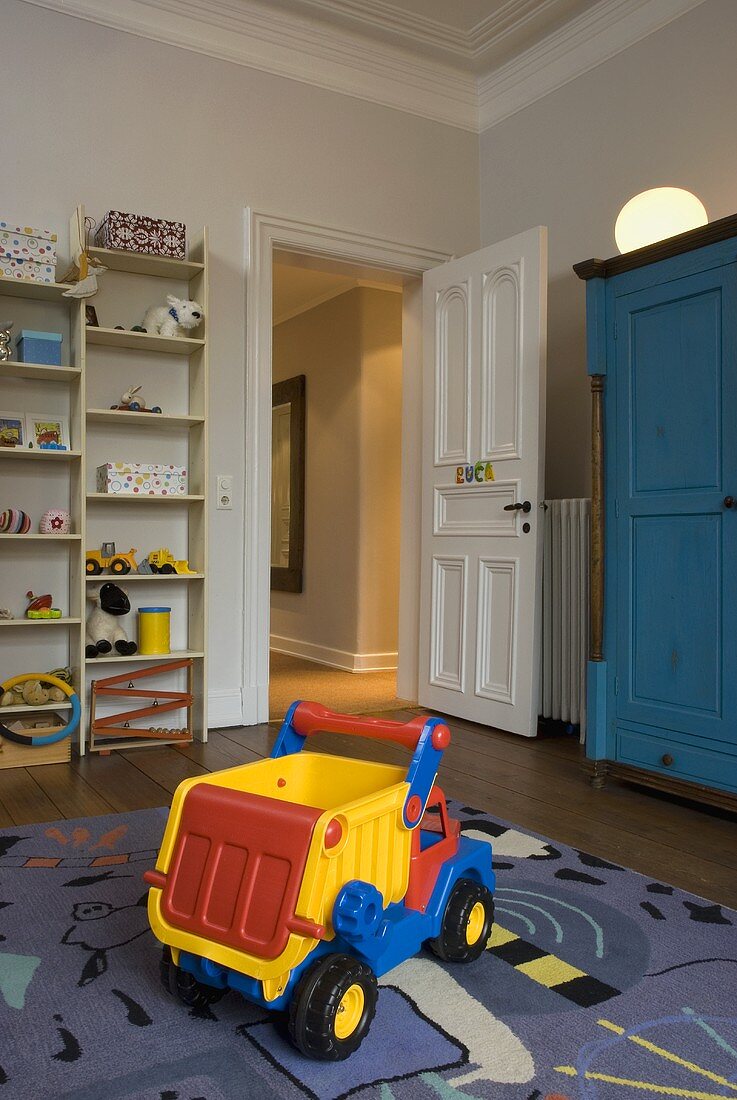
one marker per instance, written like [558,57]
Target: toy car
[299,879]
[109,558]
[163,561]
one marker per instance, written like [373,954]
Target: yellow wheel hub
[476,921]
[350,1011]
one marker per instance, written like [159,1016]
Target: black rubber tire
[314,1007]
[119,567]
[92,568]
[451,945]
[185,986]
[168,568]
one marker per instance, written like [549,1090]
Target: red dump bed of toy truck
[237,868]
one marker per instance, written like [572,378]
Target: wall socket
[225,491]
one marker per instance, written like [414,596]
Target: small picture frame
[12,429]
[46,431]
[90,317]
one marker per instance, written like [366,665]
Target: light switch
[225,491]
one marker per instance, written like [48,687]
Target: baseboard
[224,708]
[334,658]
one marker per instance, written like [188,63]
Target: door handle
[729,502]
[525,506]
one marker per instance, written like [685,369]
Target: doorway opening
[336,460]
[265,234]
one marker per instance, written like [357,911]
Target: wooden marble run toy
[119,724]
[256,888]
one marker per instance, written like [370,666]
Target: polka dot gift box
[27,253]
[146,479]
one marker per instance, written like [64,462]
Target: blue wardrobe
[662,356]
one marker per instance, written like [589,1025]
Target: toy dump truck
[298,880]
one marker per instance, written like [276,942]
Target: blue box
[39,347]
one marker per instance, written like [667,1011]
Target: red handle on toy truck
[309,718]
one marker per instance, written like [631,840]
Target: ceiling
[466,63]
[301,283]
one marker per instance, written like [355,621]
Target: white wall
[117,121]
[660,113]
[350,350]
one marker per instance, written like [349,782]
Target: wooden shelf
[177,655]
[40,371]
[39,622]
[23,708]
[139,263]
[126,578]
[131,498]
[142,341]
[48,456]
[139,419]
[26,288]
[41,538]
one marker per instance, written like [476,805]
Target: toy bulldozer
[299,879]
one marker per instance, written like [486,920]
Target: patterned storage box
[145,479]
[11,268]
[24,243]
[137,233]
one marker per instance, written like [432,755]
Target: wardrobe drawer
[672,758]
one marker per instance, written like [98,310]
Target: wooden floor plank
[163,766]
[73,796]
[126,788]
[5,817]
[24,800]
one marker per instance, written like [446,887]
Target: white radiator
[565,616]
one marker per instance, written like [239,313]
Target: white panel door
[482,483]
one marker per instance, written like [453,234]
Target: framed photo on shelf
[47,431]
[12,429]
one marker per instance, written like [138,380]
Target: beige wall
[661,113]
[114,120]
[381,462]
[350,351]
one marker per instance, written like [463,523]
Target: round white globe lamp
[656,214]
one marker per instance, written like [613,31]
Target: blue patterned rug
[598,983]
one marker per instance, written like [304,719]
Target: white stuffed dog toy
[174,319]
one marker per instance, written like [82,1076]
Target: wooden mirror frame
[292,392]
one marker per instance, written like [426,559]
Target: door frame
[263,234]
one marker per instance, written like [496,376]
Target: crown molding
[597,35]
[255,36]
[250,33]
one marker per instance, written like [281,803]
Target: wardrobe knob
[667,759]
[729,502]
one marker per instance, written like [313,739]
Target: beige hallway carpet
[349,692]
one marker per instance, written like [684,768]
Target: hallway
[348,692]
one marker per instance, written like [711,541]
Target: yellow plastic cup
[154,630]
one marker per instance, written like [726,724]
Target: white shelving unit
[35,480]
[102,361]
